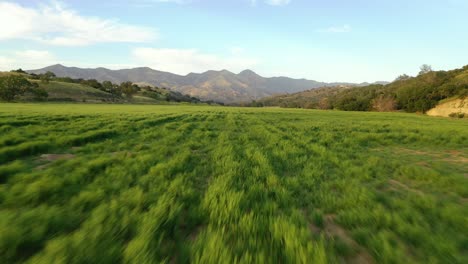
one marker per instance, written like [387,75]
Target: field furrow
[180,184]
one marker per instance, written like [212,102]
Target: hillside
[314,98]
[63,91]
[451,107]
[223,86]
[78,90]
[411,94]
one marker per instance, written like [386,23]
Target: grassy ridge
[73,91]
[411,94]
[78,90]
[179,184]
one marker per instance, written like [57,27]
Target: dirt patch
[423,164]
[196,232]
[449,107]
[412,151]
[455,152]
[53,157]
[331,229]
[399,185]
[315,229]
[49,158]
[454,156]
[457,160]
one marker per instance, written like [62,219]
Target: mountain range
[222,86]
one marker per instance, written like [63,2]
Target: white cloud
[5,63]
[277,2]
[34,55]
[252,2]
[184,61]
[337,29]
[271,2]
[148,3]
[236,51]
[27,59]
[55,25]
[171,1]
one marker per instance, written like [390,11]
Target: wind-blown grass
[180,184]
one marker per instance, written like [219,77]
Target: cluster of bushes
[411,94]
[13,86]
[19,85]
[163,94]
[421,93]
[127,89]
[311,99]
[359,98]
[457,115]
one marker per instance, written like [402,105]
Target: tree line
[411,94]
[127,89]
[19,83]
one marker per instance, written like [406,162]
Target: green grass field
[193,184]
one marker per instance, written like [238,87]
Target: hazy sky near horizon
[333,40]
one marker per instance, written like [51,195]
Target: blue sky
[334,40]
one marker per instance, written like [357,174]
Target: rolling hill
[62,91]
[69,90]
[313,98]
[411,94]
[223,86]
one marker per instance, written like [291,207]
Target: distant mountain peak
[143,68]
[225,72]
[248,72]
[223,86]
[58,65]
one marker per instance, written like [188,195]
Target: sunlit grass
[180,184]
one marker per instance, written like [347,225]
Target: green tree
[12,86]
[93,83]
[111,88]
[34,76]
[129,89]
[357,99]
[38,93]
[403,77]
[46,77]
[18,71]
[425,68]
[107,86]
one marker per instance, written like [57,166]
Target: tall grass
[182,184]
